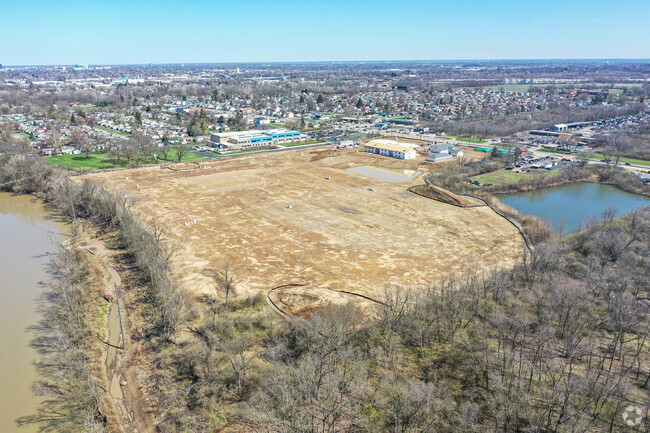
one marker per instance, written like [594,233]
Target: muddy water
[27,232]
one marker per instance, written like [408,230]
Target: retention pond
[566,206]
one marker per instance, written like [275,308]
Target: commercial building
[565,126]
[443,152]
[390,148]
[446,149]
[243,140]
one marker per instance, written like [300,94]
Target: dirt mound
[304,301]
[441,194]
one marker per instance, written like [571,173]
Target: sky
[96,32]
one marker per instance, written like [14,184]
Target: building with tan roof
[390,148]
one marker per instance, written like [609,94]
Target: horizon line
[604,59]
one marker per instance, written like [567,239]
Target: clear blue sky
[164,31]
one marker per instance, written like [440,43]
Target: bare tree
[181,151]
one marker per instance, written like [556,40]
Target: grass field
[617,91]
[621,161]
[502,177]
[102,161]
[466,139]
[555,151]
[298,217]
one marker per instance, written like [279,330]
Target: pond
[27,232]
[569,205]
[388,175]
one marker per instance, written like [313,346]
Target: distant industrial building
[390,148]
[565,126]
[243,140]
[359,119]
[262,121]
[403,121]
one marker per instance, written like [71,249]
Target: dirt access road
[280,220]
[129,411]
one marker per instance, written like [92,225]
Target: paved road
[233,155]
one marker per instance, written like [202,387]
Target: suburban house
[390,148]
[243,140]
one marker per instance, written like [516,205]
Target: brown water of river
[28,233]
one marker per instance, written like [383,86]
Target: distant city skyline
[200,31]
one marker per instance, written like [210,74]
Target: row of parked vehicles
[476,182]
[547,162]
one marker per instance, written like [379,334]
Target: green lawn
[467,139]
[621,161]
[102,161]
[554,151]
[23,134]
[95,161]
[616,91]
[501,177]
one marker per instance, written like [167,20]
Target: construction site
[305,230]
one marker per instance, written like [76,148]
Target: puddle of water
[345,209]
[116,389]
[209,273]
[388,175]
[114,337]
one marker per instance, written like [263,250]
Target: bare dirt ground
[280,221]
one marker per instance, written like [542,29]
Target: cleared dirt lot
[280,221]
